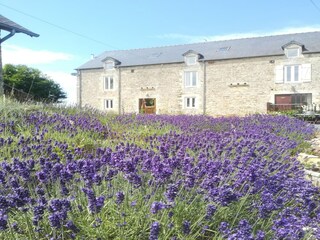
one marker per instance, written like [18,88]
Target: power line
[315,5]
[59,27]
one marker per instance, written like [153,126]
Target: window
[292,101]
[190,102]
[302,99]
[293,52]
[190,79]
[108,83]
[292,73]
[191,60]
[108,104]
[109,65]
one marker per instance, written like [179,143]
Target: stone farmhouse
[232,77]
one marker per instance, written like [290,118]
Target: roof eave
[17,30]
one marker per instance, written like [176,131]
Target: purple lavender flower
[119,197]
[3,221]
[204,229]
[97,223]
[156,207]
[70,225]
[40,191]
[95,204]
[170,225]
[55,220]
[224,228]
[99,203]
[133,203]
[4,204]
[97,179]
[38,212]
[15,227]
[260,235]
[171,193]
[154,231]
[59,209]
[243,231]
[42,176]
[211,209]
[186,227]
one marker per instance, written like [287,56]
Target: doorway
[147,105]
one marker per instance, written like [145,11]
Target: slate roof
[9,25]
[215,50]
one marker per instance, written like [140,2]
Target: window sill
[293,82]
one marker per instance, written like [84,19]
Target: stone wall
[232,87]
[161,82]
[93,92]
[238,87]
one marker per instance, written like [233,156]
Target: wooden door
[147,105]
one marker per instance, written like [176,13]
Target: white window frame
[290,52]
[188,79]
[191,60]
[108,104]
[190,102]
[289,72]
[109,65]
[107,83]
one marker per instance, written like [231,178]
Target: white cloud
[18,55]
[43,59]
[68,84]
[192,39]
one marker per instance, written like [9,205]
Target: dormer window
[191,60]
[293,52]
[191,57]
[293,49]
[110,63]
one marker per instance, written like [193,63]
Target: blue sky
[71,30]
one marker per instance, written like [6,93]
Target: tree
[29,83]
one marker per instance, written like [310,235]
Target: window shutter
[187,79]
[111,83]
[306,72]
[106,85]
[278,74]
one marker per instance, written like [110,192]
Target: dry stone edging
[312,162]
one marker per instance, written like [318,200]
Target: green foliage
[286,112]
[26,83]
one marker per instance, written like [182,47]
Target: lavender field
[66,174]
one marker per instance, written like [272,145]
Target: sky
[72,30]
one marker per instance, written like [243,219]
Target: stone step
[314,177]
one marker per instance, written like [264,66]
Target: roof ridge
[266,36]
[207,42]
